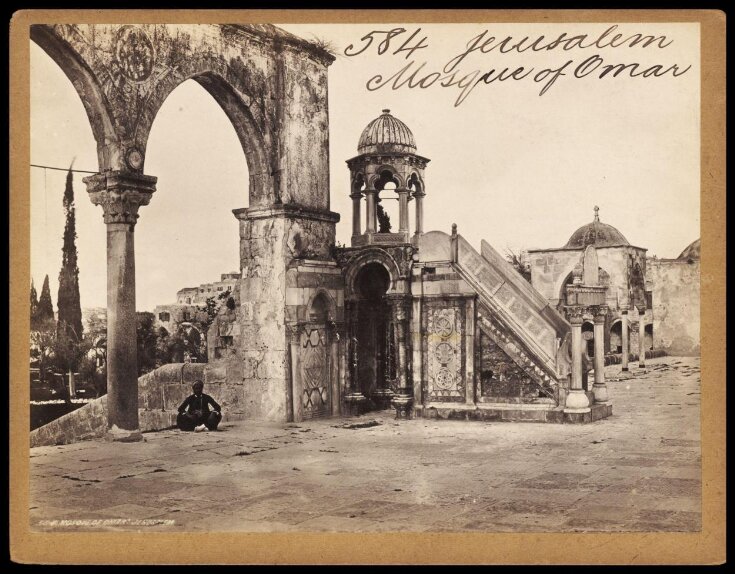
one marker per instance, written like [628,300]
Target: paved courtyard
[636,471]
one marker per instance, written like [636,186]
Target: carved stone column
[121,194]
[371,213]
[356,227]
[353,397]
[294,405]
[419,196]
[625,336]
[336,336]
[641,339]
[403,398]
[577,401]
[403,211]
[599,387]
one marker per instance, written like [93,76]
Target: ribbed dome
[691,253]
[386,134]
[597,234]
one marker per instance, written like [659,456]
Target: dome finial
[386,111]
[597,213]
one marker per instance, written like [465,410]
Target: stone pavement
[636,471]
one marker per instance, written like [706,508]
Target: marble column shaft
[121,194]
[625,336]
[641,339]
[600,388]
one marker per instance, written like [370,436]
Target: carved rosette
[120,194]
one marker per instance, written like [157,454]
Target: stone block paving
[638,470]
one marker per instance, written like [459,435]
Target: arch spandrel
[271,85]
[53,41]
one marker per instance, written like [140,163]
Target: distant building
[189,301]
[663,293]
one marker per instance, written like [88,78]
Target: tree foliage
[34,305]
[146,338]
[45,307]
[384,225]
[42,346]
[518,263]
[69,307]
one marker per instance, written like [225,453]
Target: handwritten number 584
[384,45]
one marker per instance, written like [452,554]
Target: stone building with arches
[403,318]
[650,303]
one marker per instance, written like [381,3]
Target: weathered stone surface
[272,86]
[675,286]
[638,471]
[160,393]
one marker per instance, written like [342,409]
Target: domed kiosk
[432,326]
[596,233]
[387,164]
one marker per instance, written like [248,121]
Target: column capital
[399,302]
[294,332]
[356,195]
[600,314]
[418,193]
[575,316]
[120,194]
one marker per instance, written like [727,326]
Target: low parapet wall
[160,393]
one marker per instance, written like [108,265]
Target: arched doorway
[648,337]
[375,348]
[616,337]
[588,336]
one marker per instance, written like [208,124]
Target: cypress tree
[34,307]
[70,310]
[45,308]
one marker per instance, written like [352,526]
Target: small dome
[691,253]
[386,134]
[597,234]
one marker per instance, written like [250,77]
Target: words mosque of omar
[409,319]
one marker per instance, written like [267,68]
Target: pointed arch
[210,74]
[98,109]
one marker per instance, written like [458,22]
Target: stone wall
[501,379]
[676,295]
[160,393]
[550,269]
[272,242]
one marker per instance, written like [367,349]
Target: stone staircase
[513,314]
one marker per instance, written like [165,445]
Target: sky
[518,169]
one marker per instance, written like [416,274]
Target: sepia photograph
[392,276]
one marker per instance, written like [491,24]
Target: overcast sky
[509,166]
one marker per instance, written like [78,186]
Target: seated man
[194,413]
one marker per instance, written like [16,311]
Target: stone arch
[589,343]
[358,183]
[99,111]
[415,182]
[637,287]
[616,335]
[561,286]
[215,77]
[372,255]
[378,175]
[648,335]
[321,307]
